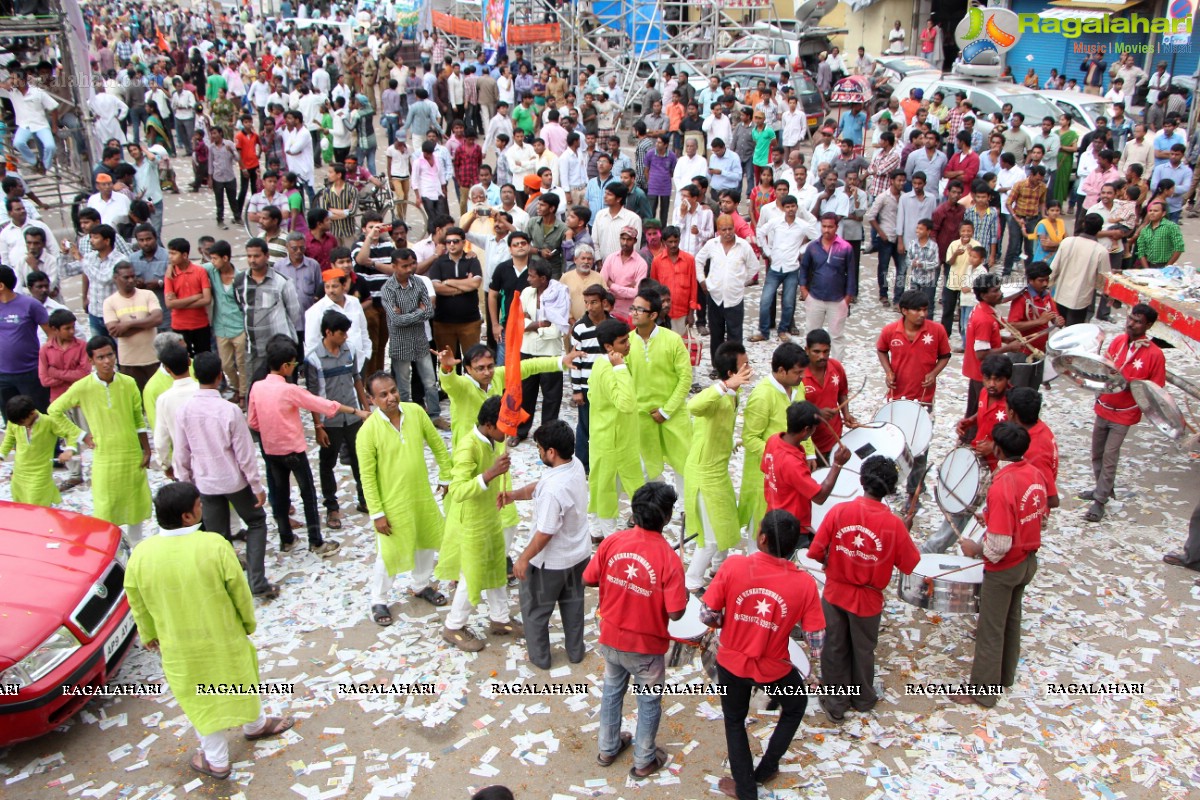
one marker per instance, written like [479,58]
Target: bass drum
[962,482]
[882,439]
[913,419]
[848,487]
[956,593]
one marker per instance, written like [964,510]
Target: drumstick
[951,572]
[1020,338]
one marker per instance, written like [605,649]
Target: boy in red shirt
[1025,408]
[62,360]
[787,482]
[188,294]
[641,586]
[983,336]
[825,387]
[249,147]
[859,542]
[1033,311]
[1015,510]
[757,600]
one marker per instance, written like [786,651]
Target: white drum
[974,531]
[962,481]
[929,586]
[814,568]
[847,487]
[688,628]
[913,419]
[1084,338]
[882,439]
[799,658]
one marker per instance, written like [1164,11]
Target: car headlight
[42,661]
[123,551]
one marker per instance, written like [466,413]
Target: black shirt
[509,284]
[457,308]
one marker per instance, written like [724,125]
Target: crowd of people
[571,257]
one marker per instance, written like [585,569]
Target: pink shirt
[213,448]
[623,276]
[555,137]
[426,178]
[279,424]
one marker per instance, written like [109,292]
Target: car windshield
[1032,106]
[1071,111]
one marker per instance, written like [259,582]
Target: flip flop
[334,523]
[205,769]
[432,596]
[381,612]
[658,762]
[273,727]
[623,743]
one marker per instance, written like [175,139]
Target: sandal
[381,615]
[625,740]
[432,596]
[272,727]
[204,768]
[269,593]
[1095,513]
[658,762]
[333,520]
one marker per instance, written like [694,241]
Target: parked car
[66,621]
[1081,108]
[811,99]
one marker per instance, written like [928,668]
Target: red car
[64,619]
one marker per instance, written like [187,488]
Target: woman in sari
[1067,145]
[1049,233]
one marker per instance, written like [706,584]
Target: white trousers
[830,316]
[461,607]
[216,747]
[607,526]
[422,574]
[135,532]
[702,556]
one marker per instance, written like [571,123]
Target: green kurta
[708,468]
[764,416]
[395,483]
[159,382]
[32,479]
[188,592]
[466,396]
[473,546]
[662,377]
[120,492]
[613,405]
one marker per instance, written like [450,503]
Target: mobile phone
[485,212]
[385,228]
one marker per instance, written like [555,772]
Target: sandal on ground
[381,615]
[269,593]
[204,768]
[272,727]
[333,520]
[658,762]
[1095,513]
[607,761]
[432,596]
[1177,560]
[727,787]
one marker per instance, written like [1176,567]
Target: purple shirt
[660,171]
[19,321]
[829,275]
[213,448]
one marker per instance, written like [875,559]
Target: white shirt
[297,147]
[572,172]
[358,337]
[716,128]
[320,81]
[114,211]
[546,341]
[701,219]
[12,243]
[784,243]
[31,107]
[606,231]
[519,216]
[688,168]
[560,511]
[521,160]
[795,126]
[168,403]
[728,271]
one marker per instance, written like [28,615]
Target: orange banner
[517,34]
[455,26]
[511,413]
[534,34]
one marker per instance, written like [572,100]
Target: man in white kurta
[192,604]
[108,110]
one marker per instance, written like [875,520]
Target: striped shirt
[882,166]
[985,225]
[583,338]
[270,307]
[405,319]
[374,277]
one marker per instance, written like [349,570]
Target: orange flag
[511,413]
[163,47]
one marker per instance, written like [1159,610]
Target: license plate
[118,638]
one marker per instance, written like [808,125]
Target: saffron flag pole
[511,413]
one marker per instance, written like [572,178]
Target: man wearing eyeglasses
[456,277]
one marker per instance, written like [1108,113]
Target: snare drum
[1084,338]
[882,439]
[956,593]
[962,482]
[847,487]
[685,632]
[913,419]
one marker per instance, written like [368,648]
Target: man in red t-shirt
[641,587]
[825,387]
[188,294]
[1025,408]
[1015,511]
[983,336]
[249,147]
[859,542]
[1032,312]
[1138,358]
[757,600]
[788,484]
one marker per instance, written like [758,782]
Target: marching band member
[859,542]
[983,336]
[1137,358]
[789,483]
[1033,311]
[1025,408]
[1016,504]
[825,387]
[757,600]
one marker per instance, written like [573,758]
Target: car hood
[49,562]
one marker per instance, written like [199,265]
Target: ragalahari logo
[986,33]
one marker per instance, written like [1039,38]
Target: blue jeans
[582,433]
[98,326]
[790,281]
[887,251]
[49,148]
[391,124]
[646,670]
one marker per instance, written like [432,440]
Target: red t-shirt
[1029,307]
[1143,361]
[990,414]
[1043,454]
[787,482]
[826,395]
[912,360]
[188,283]
[982,327]
[763,598]
[246,143]
[641,582]
[1016,504]
[860,542]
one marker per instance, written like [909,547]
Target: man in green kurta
[395,481]
[33,435]
[112,406]
[473,548]
[616,465]
[192,604]
[481,379]
[711,505]
[764,416]
[662,376]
